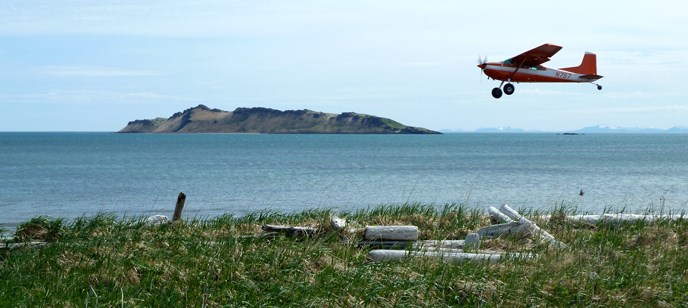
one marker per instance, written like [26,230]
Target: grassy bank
[103,261]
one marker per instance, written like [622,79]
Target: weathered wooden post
[179,207]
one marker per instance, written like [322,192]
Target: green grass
[104,261]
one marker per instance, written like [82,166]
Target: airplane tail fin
[588,66]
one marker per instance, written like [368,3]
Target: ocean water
[69,175]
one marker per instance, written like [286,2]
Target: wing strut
[519,67]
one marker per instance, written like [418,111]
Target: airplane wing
[535,56]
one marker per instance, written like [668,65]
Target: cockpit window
[508,61]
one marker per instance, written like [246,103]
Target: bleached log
[156,220]
[290,230]
[387,244]
[382,254]
[391,233]
[421,245]
[472,241]
[497,215]
[387,254]
[11,246]
[593,219]
[532,227]
[509,212]
[338,223]
[510,228]
[456,244]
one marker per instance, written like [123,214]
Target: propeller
[482,63]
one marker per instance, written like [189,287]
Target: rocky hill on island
[202,119]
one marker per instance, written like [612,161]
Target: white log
[11,246]
[387,244]
[509,212]
[497,215]
[382,254]
[510,228]
[391,233]
[156,220]
[534,229]
[472,241]
[386,254]
[456,244]
[593,219]
[338,223]
[420,245]
[439,250]
[290,230]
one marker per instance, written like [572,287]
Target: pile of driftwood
[511,223]
[395,242]
[508,222]
[401,241]
[388,245]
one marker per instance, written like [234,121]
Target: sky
[84,65]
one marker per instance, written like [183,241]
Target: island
[201,119]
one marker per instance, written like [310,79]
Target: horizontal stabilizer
[591,77]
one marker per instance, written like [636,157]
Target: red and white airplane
[527,67]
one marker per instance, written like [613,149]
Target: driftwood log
[593,219]
[532,227]
[472,241]
[509,228]
[290,230]
[391,233]
[416,245]
[11,246]
[387,244]
[498,216]
[156,220]
[456,244]
[446,255]
[337,223]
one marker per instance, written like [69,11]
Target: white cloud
[86,96]
[93,71]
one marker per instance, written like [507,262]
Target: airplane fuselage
[505,72]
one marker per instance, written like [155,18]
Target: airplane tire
[509,89]
[599,87]
[496,92]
